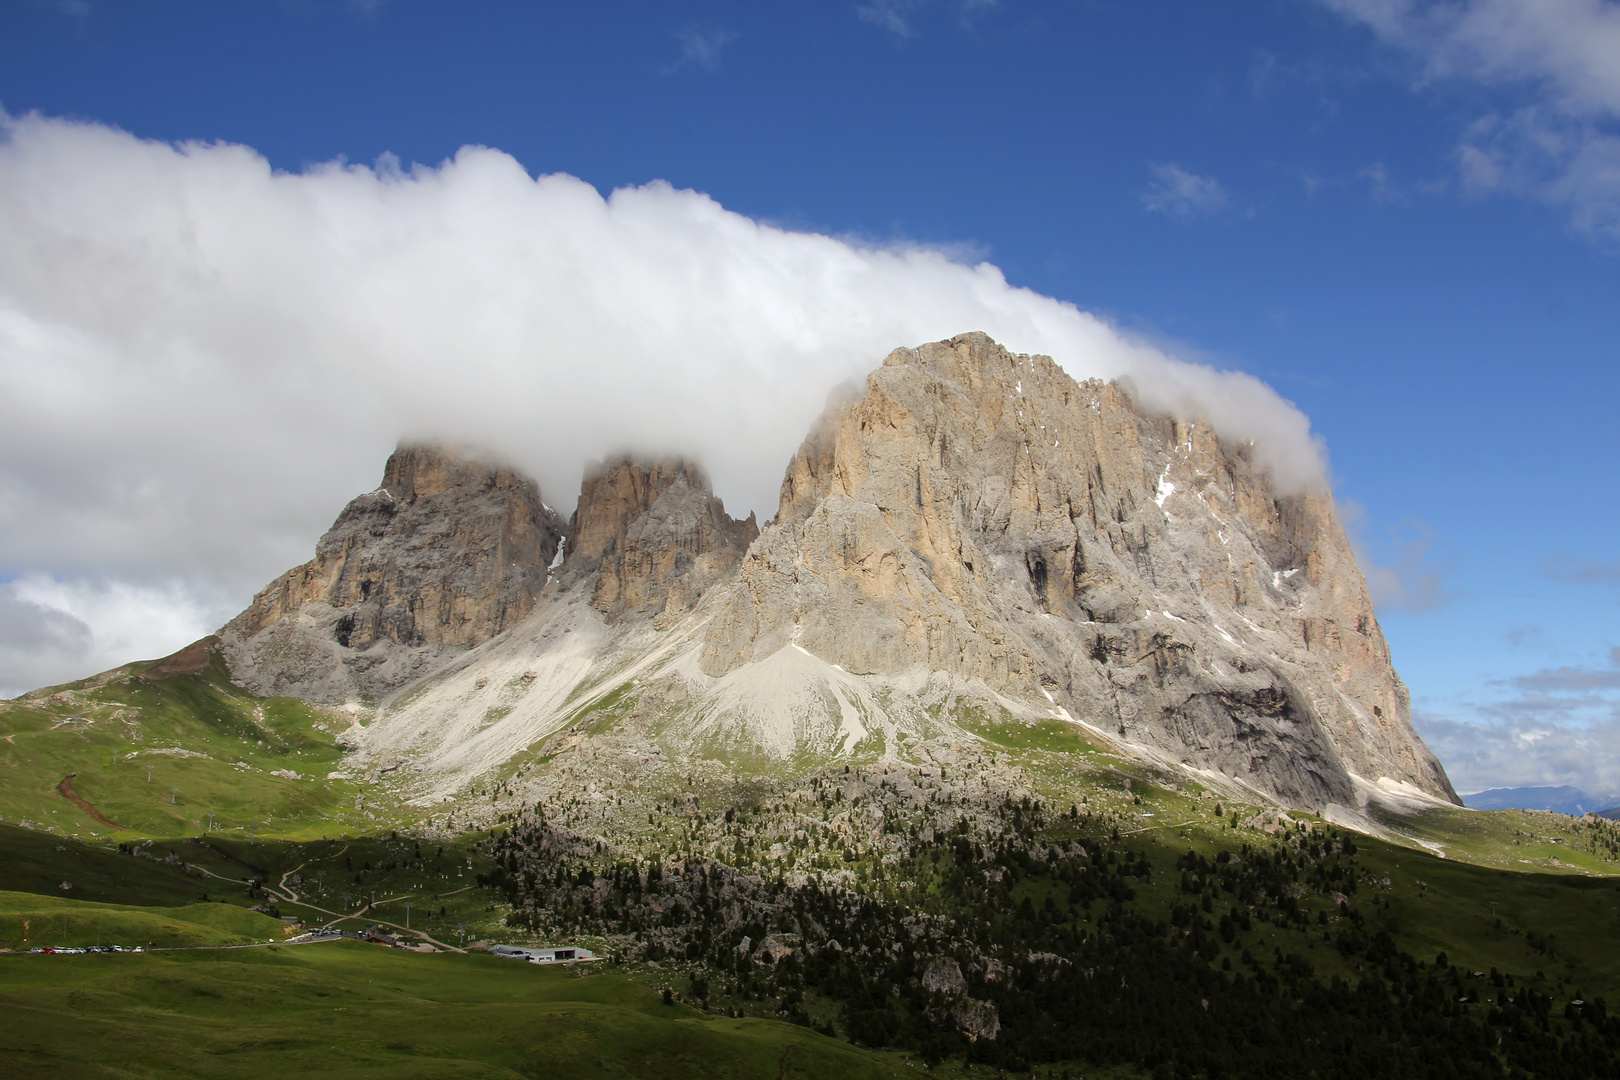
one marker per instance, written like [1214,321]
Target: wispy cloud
[700,49]
[1263,76]
[1566,48]
[1269,74]
[1177,192]
[1375,179]
[892,15]
[968,10]
[1560,160]
[1561,58]
[1582,571]
[1574,677]
[1521,637]
[899,16]
[1381,188]
[1404,568]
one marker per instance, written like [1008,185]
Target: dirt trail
[258,872]
[203,870]
[65,789]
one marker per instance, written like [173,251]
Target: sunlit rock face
[980,512]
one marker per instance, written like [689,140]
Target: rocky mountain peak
[424,470]
[979,512]
[447,553]
[655,535]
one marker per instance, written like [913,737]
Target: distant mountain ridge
[975,535]
[1563,800]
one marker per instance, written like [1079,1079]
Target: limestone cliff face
[449,552]
[981,513]
[655,535]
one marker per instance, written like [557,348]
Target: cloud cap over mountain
[202,358]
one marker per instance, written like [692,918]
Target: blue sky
[1403,216]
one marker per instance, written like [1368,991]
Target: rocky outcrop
[655,536]
[981,513]
[449,552]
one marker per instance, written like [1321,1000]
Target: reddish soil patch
[65,788]
[191,660]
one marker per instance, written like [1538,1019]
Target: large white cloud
[202,359]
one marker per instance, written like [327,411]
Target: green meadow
[343,1009]
[157,757]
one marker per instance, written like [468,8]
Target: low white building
[556,954]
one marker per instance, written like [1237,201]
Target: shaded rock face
[980,512]
[449,552]
[944,976]
[655,536]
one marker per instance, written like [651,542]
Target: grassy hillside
[1524,840]
[1209,951]
[350,884]
[29,921]
[98,871]
[156,756]
[351,1010]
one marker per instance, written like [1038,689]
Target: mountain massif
[975,538]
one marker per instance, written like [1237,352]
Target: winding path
[257,871]
[285,894]
[65,789]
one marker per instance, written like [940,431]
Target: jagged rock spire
[655,535]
